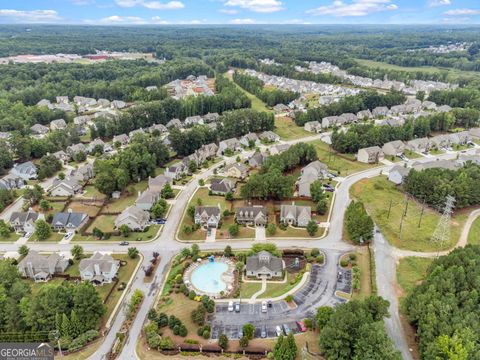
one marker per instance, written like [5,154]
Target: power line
[442,232]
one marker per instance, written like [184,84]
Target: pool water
[208,277]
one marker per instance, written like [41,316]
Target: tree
[42,229]
[132,252]
[358,223]
[75,326]
[44,205]
[167,192]
[322,206]
[23,250]
[159,209]
[223,341]
[229,196]
[271,229]
[65,329]
[312,227]
[125,230]
[285,348]
[233,230]
[248,331]
[324,313]
[77,252]
[88,306]
[316,190]
[97,233]
[192,166]
[201,182]
[4,229]
[194,250]
[228,251]
[243,342]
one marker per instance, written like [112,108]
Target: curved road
[168,247]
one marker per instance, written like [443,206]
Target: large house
[39,130]
[222,186]
[295,215]
[237,170]
[397,174]
[370,155]
[11,181]
[69,221]
[122,139]
[176,171]
[257,159]
[249,139]
[41,268]
[312,126]
[99,269]
[25,221]
[158,183]
[147,199]
[229,144]
[66,187]
[83,173]
[393,148]
[269,136]
[418,145]
[264,264]
[252,215]
[278,149]
[73,150]
[310,173]
[26,170]
[135,218]
[207,216]
[58,124]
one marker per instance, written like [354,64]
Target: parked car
[230,306]
[301,326]
[240,332]
[286,329]
[328,188]
[263,332]
[269,304]
[264,306]
[278,330]
[237,307]
[159,221]
[124,243]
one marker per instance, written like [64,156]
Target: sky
[161,12]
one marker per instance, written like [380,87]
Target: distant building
[26,170]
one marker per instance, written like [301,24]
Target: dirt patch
[411,337]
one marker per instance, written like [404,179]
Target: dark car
[328,188]
[124,243]
[237,307]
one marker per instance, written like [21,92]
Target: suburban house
[69,221]
[95,144]
[393,148]
[81,120]
[474,133]
[232,144]
[397,174]
[310,173]
[175,172]
[222,186]
[157,183]
[370,155]
[269,136]
[99,269]
[83,173]
[58,124]
[252,215]
[62,156]
[122,139]
[278,149]
[460,138]
[193,120]
[174,123]
[380,111]
[39,130]
[25,221]
[364,115]
[66,187]
[26,170]
[441,164]
[418,145]
[132,133]
[211,117]
[118,104]
[41,268]
[237,170]
[207,216]
[11,181]
[312,126]
[135,218]
[439,142]
[264,264]
[249,139]
[73,150]
[257,159]
[295,215]
[329,121]
[147,199]
[157,127]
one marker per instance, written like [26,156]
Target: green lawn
[377,193]
[344,164]
[363,262]
[12,237]
[132,237]
[54,237]
[278,289]
[257,104]
[474,234]
[411,154]
[436,152]
[90,192]
[118,205]
[286,128]
[106,223]
[410,271]
[247,289]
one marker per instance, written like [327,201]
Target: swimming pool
[208,277]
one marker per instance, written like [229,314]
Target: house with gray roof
[278,149]
[314,171]
[66,187]
[397,174]
[264,265]
[269,136]
[207,216]
[232,144]
[10,182]
[118,104]
[73,150]
[158,183]
[252,215]
[237,170]
[370,155]
[62,156]
[248,139]
[24,222]
[176,171]
[26,170]
[193,120]
[418,145]
[175,123]
[97,143]
[99,269]
[222,186]
[123,139]
[211,117]
[380,111]
[257,159]
[295,215]
[39,130]
[147,199]
[312,126]
[364,115]
[393,148]
[58,124]
[135,218]
[69,221]
[41,268]
[83,173]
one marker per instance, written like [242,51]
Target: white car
[264,306]
[230,306]
[278,330]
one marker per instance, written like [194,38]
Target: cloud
[462,12]
[242,21]
[229,11]
[436,3]
[260,6]
[153,5]
[28,16]
[82,2]
[355,8]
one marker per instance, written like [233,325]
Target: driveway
[260,233]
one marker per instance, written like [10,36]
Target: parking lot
[344,280]
[317,292]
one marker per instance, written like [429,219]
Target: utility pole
[442,231]
[389,209]
[421,214]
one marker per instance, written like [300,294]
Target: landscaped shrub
[191,295]
[191,341]
[176,330]
[198,315]
[315,252]
[166,343]
[352,256]
[206,334]
[83,339]
[183,331]
[223,341]
[343,263]
[162,320]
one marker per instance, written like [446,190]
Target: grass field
[474,234]
[410,271]
[118,205]
[343,165]
[12,237]
[132,237]
[257,104]
[278,289]
[363,262]
[453,74]
[377,194]
[90,192]
[54,237]
[106,223]
[247,289]
[286,128]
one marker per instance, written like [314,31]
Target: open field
[118,205]
[90,210]
[363,262]
[278,289]
[286,128]
[132,237]
[410,271]
[105,223]
[257,104]
[474,234]
[453,74]
[341,164]
[377,194]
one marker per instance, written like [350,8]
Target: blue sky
[136,12]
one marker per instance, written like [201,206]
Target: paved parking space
[344,280]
